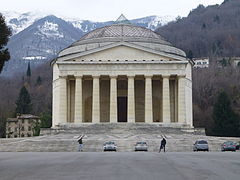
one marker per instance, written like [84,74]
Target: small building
[201,62]
[236,61]
[21,126]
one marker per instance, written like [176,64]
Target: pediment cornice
[69,57]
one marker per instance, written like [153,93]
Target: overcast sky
[103,10]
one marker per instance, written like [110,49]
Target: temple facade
[122,73]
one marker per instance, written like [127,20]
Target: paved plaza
[119,166]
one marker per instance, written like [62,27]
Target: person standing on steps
[163,144]
[80,141]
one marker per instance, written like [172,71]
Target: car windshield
[141,143]
[229,143]
[202,142]
[108,143]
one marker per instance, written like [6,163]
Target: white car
[200,145]
[141,146]
[109,146]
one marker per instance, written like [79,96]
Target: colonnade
[166,108]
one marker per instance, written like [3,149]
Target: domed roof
[122,29]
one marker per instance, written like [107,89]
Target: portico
[126,77]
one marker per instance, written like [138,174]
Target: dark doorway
[122,109]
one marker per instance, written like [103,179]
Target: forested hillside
[207,31]
[214,32]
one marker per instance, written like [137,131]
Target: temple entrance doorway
[122,109]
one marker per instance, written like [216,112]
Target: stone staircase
[64,139]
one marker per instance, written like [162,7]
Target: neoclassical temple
[122,73]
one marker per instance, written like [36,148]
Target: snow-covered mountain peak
[49,29]
[20,21]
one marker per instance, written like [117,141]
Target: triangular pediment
[121,51]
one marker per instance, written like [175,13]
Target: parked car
[141,146]
[200,145]
[237,145]
[228,146]
[109,146]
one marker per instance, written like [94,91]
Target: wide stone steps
[65,139]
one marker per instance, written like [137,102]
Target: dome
[122,31]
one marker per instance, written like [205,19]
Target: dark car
[228,146]
[109,146]
[200,145]
[237,145]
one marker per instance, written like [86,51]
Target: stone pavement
[65,139]
[119,166]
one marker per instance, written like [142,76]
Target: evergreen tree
[226,121]
[29,70]
[204,26]
[190,55]
[23,102]
[39,81]
[5,33]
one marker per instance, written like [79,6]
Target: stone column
[96,100]
[166,100]
[113,99]
[62,99]
[181,99]
[78,100]
[131,100]
[148,100]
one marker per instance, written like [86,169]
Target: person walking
[80,141]
[163,144]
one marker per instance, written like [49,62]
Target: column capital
[130,76]
[113,76]
[63,76]
[181,76]
[78,76]
[148,76]
[166,76]
[95,76]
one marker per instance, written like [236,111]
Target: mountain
[38,38]
[40,42]
[207,31]
[20,21]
